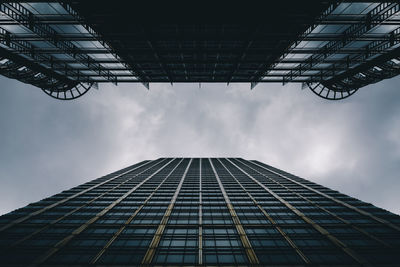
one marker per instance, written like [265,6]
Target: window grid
[109,220]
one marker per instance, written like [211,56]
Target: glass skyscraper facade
[200,211]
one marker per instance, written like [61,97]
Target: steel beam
[371,20]
[294,44]
[27,20]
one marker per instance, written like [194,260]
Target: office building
[200,212]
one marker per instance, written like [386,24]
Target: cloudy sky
[47,146]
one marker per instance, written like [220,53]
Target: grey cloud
[48,146]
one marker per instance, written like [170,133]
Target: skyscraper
[200,211]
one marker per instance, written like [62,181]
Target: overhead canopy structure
[332,47]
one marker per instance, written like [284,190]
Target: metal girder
[218,54]
[177,61]
[225,52]
[22,48]
[220,80]
[105,44]
[61,19]
[328,92]
[332,87]
[56,84]
[202,76]
[373,74]
[27,19]
[52,83]
[249,42]
[224,68]
[16,67]
[181,55]
[226,37]
[156,53]
[159,53]
[374,70]
[294,44]
[377,67]
[23,17]
[372,19]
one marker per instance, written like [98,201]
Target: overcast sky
[47,145]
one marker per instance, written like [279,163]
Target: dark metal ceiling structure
[332,47]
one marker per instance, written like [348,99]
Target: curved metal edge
[70,93]
[337,94]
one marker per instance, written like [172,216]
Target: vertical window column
[129,220]
[200,217]
[148,257]
[242,234]
[277,227]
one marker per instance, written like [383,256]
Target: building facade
[333,47]
[198,212]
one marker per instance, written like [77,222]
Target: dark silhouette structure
[198,212]
[332,47]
